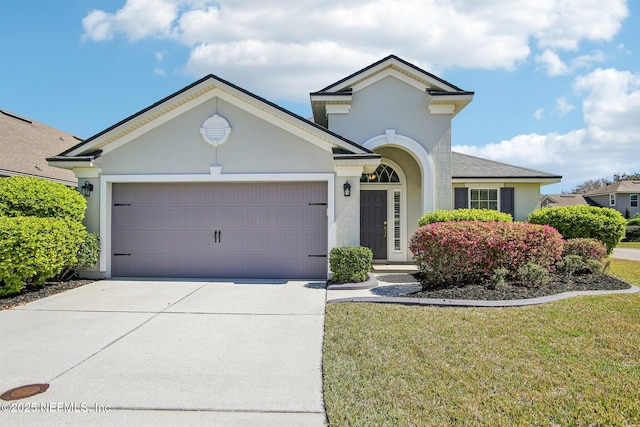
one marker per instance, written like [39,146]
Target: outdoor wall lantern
[86,189]
[347,189]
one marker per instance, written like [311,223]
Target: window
[633,200]
[483,199]
[383,174]
[612,199]
[396,221]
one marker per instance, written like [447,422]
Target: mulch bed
[557,284]
[32,293]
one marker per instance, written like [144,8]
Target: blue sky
[557,83]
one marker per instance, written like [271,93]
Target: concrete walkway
[626,253]
[168,353]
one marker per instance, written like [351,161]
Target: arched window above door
[384,174]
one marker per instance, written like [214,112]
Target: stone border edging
[482,303]
[370,283]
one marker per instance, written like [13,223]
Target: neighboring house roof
[25,144]
[631,187]
[465,167]
[562,200]
[208,86]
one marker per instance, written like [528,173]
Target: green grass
[572,362]
[634,245]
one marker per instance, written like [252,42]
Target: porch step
[394,268]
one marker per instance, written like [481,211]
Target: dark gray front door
[239,230]
[373,222]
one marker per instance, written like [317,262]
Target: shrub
[594,267]
[604,224]
[28,196]
[587,249]
[470,251]
[634,221]
[532,275]
[498,279]
[350,264]
[36,249]
[570,265]
[484,215]
[633,233]
[86,257]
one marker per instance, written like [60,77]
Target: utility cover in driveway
[240,230]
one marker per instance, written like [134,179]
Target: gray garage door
[240,230]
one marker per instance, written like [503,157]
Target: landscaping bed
[557,284]
[32,293]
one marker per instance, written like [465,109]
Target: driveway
[168,353]
[626,253]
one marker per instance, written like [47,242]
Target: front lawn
[572,362]
[633,245]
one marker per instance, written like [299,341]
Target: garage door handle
[217,236]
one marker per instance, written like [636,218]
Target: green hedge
[484,215]
[633,233]
[604,224]
[350,264]
[27,196]
[33,250]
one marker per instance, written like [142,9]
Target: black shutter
[461,198]
[507,203]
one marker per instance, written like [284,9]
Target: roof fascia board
[388,62]
[210,88]
[507,179]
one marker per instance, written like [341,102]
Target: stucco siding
[526,196]
[393,104]
[254,146]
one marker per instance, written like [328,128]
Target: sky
[556,82]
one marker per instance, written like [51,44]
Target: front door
[373,222]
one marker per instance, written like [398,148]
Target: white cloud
[539,113]
[563,106]
[609,143]
[553,65]
[433,34]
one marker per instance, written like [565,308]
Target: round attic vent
[215,130]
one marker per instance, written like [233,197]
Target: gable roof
[203,89]
[618,187]
[465,167]
[25,145]
[438,91]
[562,200]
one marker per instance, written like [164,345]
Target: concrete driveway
[168,353]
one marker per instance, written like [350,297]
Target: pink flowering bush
[470,251]
[587,249]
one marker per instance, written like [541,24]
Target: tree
[594,184]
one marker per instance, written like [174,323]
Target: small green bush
[471,251]
[484,215]
[33,250]
[633,233]
[587,249]
[604,224]
[28,196]
[87,256]
[498,279]
[634,221]
[532,275]
[569,265]
[350,264]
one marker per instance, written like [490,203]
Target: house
[214,181]
[621,196]
[25,144]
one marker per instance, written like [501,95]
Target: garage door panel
[242,230]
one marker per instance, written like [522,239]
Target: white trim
[485,187]
[106,182]
[419,153]
[390,72]
[338,108]
[391,187]
[442,108]
[631,201]
[612,199]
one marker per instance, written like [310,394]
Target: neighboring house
[622,196]
[214,181]
[25,145]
